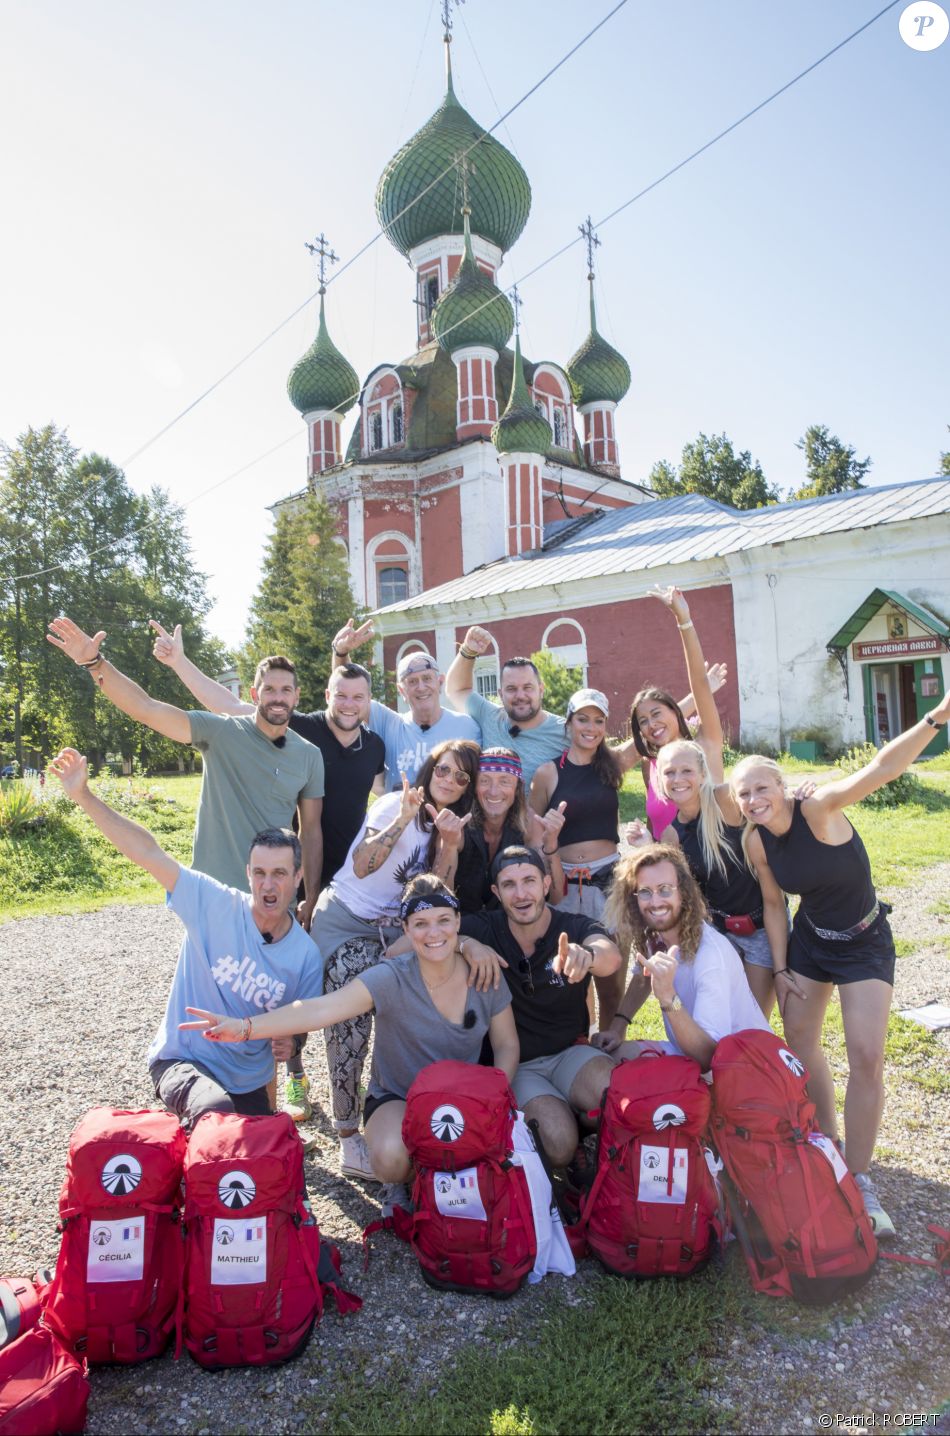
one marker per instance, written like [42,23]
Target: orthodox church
[479,486]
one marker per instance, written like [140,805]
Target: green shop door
[928,689]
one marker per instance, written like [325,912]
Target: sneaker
[354,1158]
[395,1194]
[297,1097]
[880,1221]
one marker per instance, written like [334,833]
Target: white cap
[588,698]
[417,662]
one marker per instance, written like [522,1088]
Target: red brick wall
[441,521]
[391,646]
[633,644]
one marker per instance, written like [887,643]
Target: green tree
[830,466]
[710,466]
[559,680]
[945,459]
[75,538]
[304,597]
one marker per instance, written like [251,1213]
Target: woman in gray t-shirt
[425,1012]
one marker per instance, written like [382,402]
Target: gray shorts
[754,950]
[333,925]
[189,1090]
[552,1076]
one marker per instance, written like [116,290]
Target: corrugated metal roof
[683,530]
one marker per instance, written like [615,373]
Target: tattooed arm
[376,845]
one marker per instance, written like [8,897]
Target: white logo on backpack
[654,1184]
[828,1149]
[447,1123]
[669,1115]
[116,1250]
[457,1194]
[794,1064]
[239,1252]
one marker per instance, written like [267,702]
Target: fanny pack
[744,924]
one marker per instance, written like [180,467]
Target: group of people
[457,877]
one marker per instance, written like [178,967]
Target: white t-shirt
[377,895]
[714,990]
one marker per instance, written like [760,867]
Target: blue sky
[165,165]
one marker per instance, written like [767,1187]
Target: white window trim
[408,556]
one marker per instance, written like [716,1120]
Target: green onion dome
[499,192]
[597,371]
[521,429]
[323,379]
[472,310]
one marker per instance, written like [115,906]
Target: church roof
[597,371]
[322,378]
[472,310]
[521,429]
[682,530]
[418,196]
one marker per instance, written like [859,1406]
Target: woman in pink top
[656,718]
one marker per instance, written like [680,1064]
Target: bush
[20,808]
[907,788]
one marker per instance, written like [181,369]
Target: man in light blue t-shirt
[241,953]
[520,723]
[409,737]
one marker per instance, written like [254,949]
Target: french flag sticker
[131,1234]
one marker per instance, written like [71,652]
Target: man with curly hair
[693,971]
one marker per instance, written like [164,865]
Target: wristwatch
[674,1006]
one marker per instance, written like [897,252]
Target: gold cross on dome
[322,250]
[447,16]
[516,303]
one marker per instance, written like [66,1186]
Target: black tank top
[736,893]
[593,807]
[834,880]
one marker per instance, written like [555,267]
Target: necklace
[433,986]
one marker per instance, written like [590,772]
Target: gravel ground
[84,994]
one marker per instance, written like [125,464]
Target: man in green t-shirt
[256,772]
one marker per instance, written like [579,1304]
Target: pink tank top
[660,811]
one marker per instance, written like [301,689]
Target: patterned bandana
[420,902]
[500,760]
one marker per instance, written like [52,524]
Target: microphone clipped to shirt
[468,1020]
[267,936]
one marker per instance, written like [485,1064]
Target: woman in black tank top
[841,935]
[582,787]
[708,827]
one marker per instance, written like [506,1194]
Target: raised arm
[460,679]
[169,649]
[306,1015]
[350,638]
[132,840]
[171,722]
[710,725]
[886,765]
[376,845]
[717,673]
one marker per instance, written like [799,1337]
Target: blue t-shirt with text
[225,966]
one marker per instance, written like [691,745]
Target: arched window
[560,426]
[393,584]
[376,430]
[397,423]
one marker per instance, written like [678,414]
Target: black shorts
[870,955]
[370,1104]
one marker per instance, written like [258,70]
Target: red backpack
[118,1274]
[797,1209]
[21,1305]
[472,1228]
[652,1209]
[256,1271]
[44,1390]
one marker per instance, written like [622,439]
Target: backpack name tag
[116,1250]
[654,1184]
[457,1194]
[239,1252]
[828,1149]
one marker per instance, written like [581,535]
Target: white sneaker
[395,1194]
[880,1221]
[354,1158]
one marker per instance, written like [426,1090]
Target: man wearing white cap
[409,737]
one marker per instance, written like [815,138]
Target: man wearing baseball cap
[409,737]
[551,957]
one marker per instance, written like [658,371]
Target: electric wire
[529,274]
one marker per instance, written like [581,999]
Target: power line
[674,169]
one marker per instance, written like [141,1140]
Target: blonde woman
[841,937]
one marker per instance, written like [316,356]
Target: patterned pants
[348,1042]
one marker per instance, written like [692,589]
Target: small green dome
[323,379]
[521,429]
[499,192]
[473,310]
[597,371]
